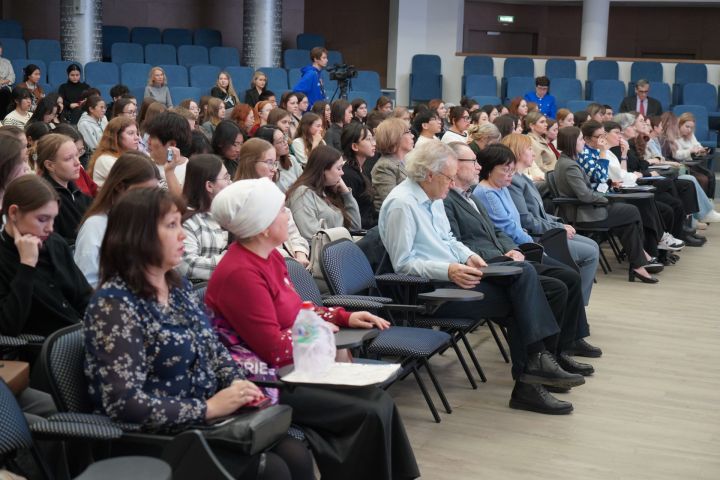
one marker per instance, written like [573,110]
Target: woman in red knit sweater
[354,434]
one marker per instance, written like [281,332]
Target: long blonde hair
[230,89]
[150,76]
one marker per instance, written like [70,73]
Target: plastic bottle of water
[313,342]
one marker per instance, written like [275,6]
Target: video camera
[342,72]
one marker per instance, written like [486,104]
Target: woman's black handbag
[250,432]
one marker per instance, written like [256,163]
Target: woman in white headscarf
[354,434]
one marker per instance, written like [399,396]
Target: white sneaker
[711,217]
[668,242]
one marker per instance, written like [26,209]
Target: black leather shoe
[654,266]
[581,348]
[552,389]
[535,398]
[543,368]
[694,240]
[569,364]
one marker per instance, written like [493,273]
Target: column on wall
[262,33]
[81,30]
[593,39]
[429,27]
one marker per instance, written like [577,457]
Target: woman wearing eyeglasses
[120,136]
[205,241]
[259,160]
[289,169]
[320,199]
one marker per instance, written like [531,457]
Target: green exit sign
[506,18]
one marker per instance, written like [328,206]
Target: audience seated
[143,312]
[340,115]
[45,112]
[41,289]
[214,114]
[596,210]
[320,199]
[259,160]
[116,93]
[225,91]
[480,136]
[261,112]
[289,101]
[157,87]
[92,122]
[426,126]
[289,169]
[359,110]
[169,143]
[384,104]
[23,105]
[459,120]
[416,232]
[519,107]
[544,101]
[205,241]
[480,232]
[367,438]
[257,87]
[281,119]
[641,102]
[307,138]
[7,80]
[84,182]
[31,81]
[58,162]
[226,143]
[536,221]
[322,109]
[544,157]
[565,118]
[71,93]
[687,147]
[13,162]
[130,170]
[358,145]
[120,136]
[311,83]
[244,116]
[394,141]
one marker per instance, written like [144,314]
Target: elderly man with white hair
[416,233]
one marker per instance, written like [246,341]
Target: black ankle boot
[542,368]
[535,398]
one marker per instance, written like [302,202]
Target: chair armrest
[350,303]
[367,298]
[12,342]
[59,430]
[93,419]
[566,201]
[397,278]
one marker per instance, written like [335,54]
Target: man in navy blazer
[641,101]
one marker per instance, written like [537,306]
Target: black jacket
[252,96]
[361,190]
[629,104]
[73,204]
[44,298]
[332,136]
[474,227]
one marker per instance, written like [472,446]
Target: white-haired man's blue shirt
[416,233]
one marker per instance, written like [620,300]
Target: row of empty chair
[426,78]
[176,37]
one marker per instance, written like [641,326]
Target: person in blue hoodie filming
[311,83]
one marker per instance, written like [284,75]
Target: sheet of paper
[349,374]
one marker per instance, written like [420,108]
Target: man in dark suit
[641,102]
[471,224]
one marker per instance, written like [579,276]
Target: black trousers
[520,304]
[625,220]
[652,221]
[705,177]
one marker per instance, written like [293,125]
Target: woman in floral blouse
[151,357]
[354,434]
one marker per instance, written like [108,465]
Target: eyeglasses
[271,165]
[474,160]
[280,141]
[225,177]
[643,91]
[599,135]
[132,113]
[452,179]
[508,170]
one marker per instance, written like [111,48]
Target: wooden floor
[651,411]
